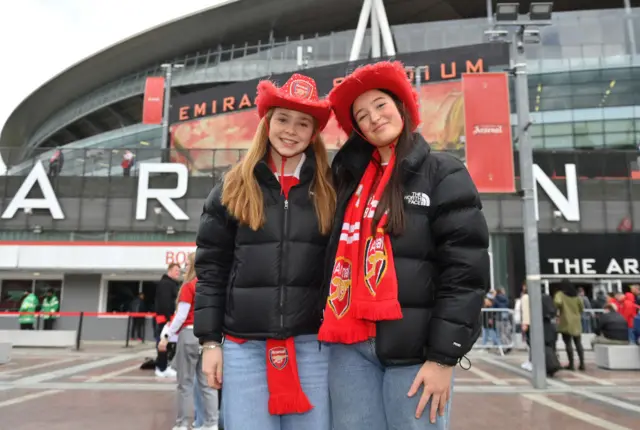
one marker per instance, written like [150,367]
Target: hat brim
[270,97]
[384,75]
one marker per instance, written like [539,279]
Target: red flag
[489,150]
[153,100]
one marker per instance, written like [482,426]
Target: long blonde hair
[190,275]
[241,193]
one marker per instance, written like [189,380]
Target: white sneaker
[181,428]
[170,373]
[527,366]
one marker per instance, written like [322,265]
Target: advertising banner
[224,117]
[489,148]
[152,106]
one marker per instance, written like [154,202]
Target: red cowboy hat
[299,93]
[384,75]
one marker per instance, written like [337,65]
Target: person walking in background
[166,294]
[259,261]
[587,316]
[407,263]
[28,307]
[570,308]
[188,362]
[525,321]
[138,323]
[51,304]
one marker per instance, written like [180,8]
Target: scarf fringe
[377,311]
[342,334]
[286,404]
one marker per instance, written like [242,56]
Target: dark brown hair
[393,195]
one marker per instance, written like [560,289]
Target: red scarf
[364,286]
[285,391]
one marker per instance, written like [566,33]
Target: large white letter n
[164,196]
[48,201]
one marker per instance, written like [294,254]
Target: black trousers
[48,324]
[163,357]
[577,341]
[26,326]
[138,328]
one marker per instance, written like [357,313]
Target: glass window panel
[12,293]
[537,142]
[590,141]
[42,286]
[536,130]
[558,142]
[560,129]
[621,125]
[149,291]
[620,139]
[588,127]
[120,294]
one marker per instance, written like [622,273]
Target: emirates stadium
[97,200]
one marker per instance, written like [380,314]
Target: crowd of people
[614,319]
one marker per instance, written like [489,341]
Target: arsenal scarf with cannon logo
[364,286]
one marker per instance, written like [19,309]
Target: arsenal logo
[340,289]
[279,357]
[301,89]
[375,262]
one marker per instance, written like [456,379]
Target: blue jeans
[365,395]
[198,420]
[245,393]
[490,334]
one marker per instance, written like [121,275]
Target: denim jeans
[245,395]
[365,395]
[490,334]
[198,403]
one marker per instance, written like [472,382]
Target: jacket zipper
[285,225]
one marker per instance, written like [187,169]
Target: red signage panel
[489,150]
[153,100]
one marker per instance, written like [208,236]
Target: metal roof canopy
[235,21]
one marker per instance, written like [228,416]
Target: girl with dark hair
[261,246]
[407,262]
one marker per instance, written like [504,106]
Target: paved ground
[102,388]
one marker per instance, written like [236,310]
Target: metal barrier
[78,326]
[498,330]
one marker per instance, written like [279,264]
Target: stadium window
[558,142]
[620,140]
[558,129]
[12,291]
[589,141]
[120,294]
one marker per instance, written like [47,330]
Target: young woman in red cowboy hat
[407,261]
[259,262]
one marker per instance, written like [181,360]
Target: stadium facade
[99,236]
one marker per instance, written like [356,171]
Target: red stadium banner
[489,150]
[153,100]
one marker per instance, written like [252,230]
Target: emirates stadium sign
[568,204]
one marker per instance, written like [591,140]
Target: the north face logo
[418,199]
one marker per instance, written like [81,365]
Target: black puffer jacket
[266,283]
[442,263]
[166,294]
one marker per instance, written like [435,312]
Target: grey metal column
[527,183]
[489,10]
[167,104]
[630,28]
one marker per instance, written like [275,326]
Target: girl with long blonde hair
[261,246]
[187,360]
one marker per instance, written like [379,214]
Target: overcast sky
[41,38]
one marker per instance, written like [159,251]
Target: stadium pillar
[526,31]
[373,10]
[630,28]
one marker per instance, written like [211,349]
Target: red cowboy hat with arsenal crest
[384,75]
[299,93]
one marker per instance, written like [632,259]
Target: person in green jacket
[29,305]
[570,307]
[50,303]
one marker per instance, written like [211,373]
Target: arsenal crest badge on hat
[299,93]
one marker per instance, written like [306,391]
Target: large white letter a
[49,200]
